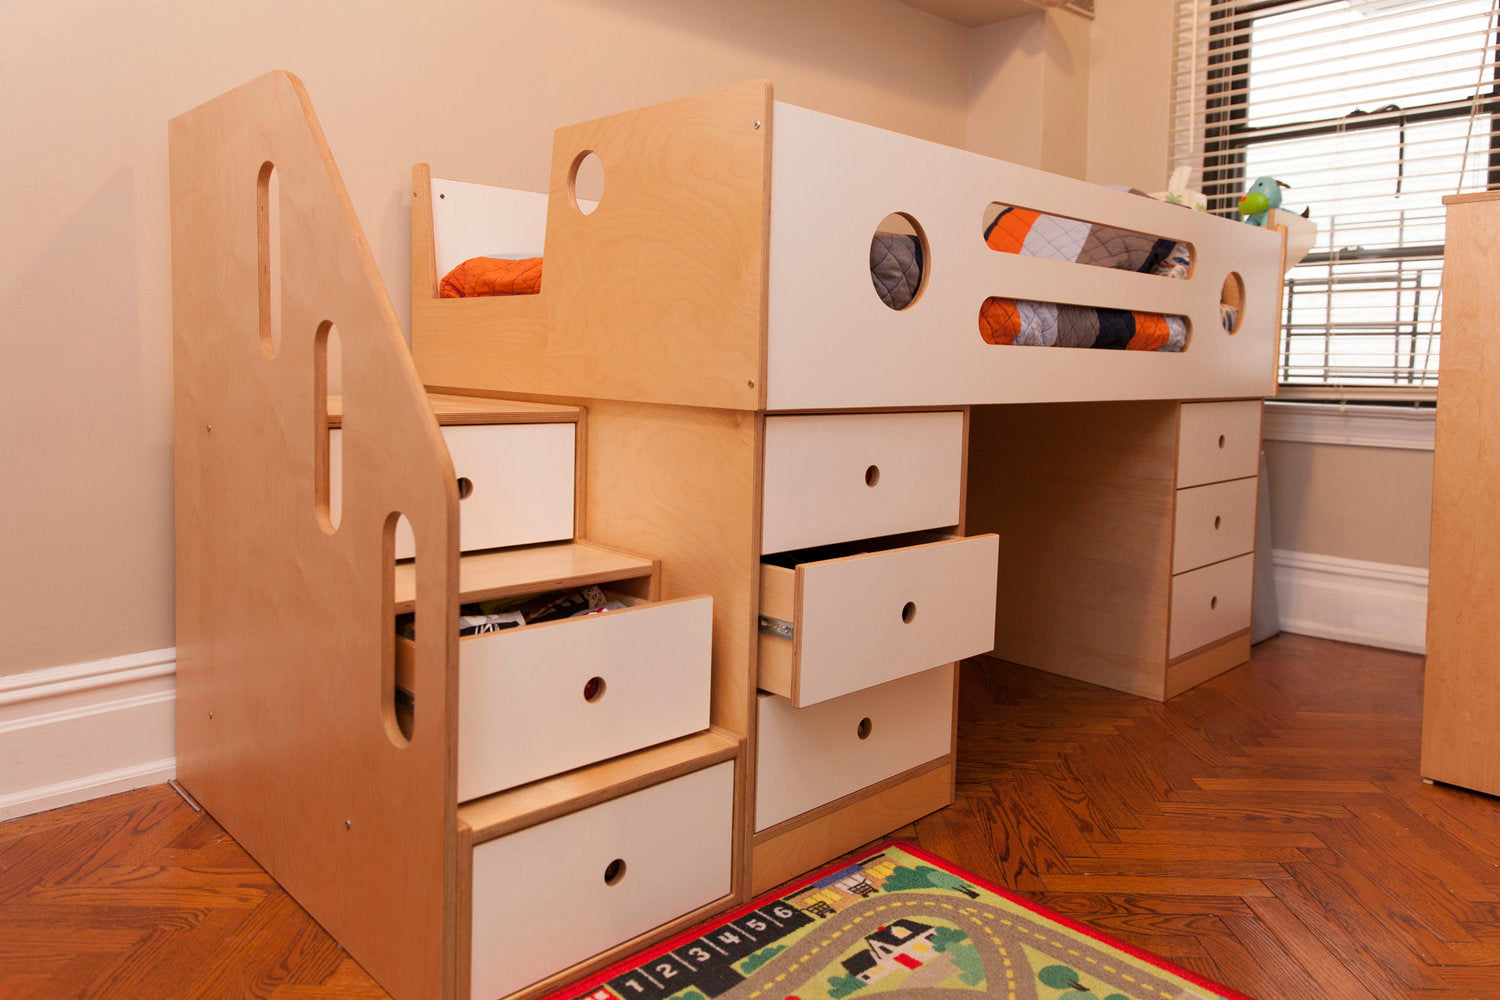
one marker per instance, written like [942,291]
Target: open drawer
[541,699]
[836,621]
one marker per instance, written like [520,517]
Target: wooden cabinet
[1127,532]
[1461,700]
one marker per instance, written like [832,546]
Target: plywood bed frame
[719,285]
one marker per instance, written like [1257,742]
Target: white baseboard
[80,731]
[1373,604]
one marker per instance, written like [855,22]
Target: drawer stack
[1213,561]
[588,774]
[869,592]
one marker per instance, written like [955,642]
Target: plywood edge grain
[1203,664]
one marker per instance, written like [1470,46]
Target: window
[1370,111]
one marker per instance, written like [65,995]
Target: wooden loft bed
[758,443]
[724,267]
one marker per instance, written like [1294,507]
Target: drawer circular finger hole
[465,487]
[908,612]
[1213,603]
[1218,520]
[863,729]
[593,689]
[1221,440]
[872,476]
[614,872]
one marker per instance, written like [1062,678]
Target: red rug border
[597,979]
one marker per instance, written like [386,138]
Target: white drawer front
[872,618]
[522,711]
[1210,603]
[1218,441]
[540,896]
[1213,522]
[835,477]
[519,484]
[809,756]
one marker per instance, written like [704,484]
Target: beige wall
[474,89]
[1029,91]
[1129,85]
[1372,504]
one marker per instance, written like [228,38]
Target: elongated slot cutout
[328,442]
[268,262]
[1027,232]
[586,182]
[398,695]
[1232,302]
[1027,323]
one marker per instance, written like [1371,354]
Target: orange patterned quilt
[492,276]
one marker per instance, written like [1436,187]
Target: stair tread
[516,808]
[453,409]
[529,569]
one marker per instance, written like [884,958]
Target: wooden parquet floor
[1267,829]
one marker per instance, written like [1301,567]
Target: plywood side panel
[682,484]
[1082,499]
[285,729]
[1461,703]
[655,295]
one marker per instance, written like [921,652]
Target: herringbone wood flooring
[1267,829]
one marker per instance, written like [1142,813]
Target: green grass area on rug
[895,923]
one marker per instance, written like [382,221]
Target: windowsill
[1402,427]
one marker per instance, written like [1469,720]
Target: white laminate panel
[1213,523]
[832,343]
[540,899]
[871,618]
[810,756]
[1218,441]
[1210,603]
[522,714]
[520,484]
[835,477]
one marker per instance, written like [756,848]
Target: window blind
[1370,111]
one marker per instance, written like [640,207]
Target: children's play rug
[899,924]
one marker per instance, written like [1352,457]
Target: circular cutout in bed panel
[899,260]
[586,181]
[1232,302]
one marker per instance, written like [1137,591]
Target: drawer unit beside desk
[1210,603]
[1213,522]
[840,476]
[808,757]
[554,894]
[1127,534]
[541,699]
[872,617]
[1218,441]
